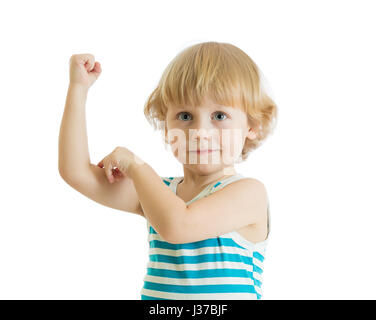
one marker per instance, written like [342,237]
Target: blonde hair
[222,72]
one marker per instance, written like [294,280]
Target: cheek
[177,141]
[232,137]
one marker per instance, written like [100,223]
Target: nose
[201,129]
[199,134]
[198,139]
[203,138]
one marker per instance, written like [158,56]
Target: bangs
[212,71]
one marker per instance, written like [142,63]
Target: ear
[252,129]
[165,135]
[251,134]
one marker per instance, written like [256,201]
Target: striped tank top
[226,267]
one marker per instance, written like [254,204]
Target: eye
[184,117]
[222,114]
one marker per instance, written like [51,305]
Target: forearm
[161,207]
[73,143]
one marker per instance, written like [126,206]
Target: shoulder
[256,197]
[254,184]
[251,187]
[244,188]
[257,187]
[249,183]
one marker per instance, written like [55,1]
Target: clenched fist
[84,70]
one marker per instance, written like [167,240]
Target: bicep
[120,195]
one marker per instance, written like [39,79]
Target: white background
[318,166]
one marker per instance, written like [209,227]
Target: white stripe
[257,276]
[258,290]
[199,296]
[257,263]
[249,248]
[241,241]
[204,250]
[200,281]
[199,266]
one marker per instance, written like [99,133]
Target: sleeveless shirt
[226,267]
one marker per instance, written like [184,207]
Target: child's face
[221,129]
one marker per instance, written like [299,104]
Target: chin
[205,168]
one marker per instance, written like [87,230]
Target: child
[208,229]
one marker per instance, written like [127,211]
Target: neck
[197,179]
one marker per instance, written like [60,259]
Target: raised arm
[74,164]
[73,143]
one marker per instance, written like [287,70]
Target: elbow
[171,231]
[65,176]
[63,173]
[174,232]
[170,238]
[62,170]
[71,175]
[168,234]
[170,223]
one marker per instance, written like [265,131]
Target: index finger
[108,170]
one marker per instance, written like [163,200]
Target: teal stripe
[143,297]
[195,274]
[257,283]
[217,184]
[212,242]
[257,269]
[206,273]
[202,258]
[258,256]
[167,182]
[215,288]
